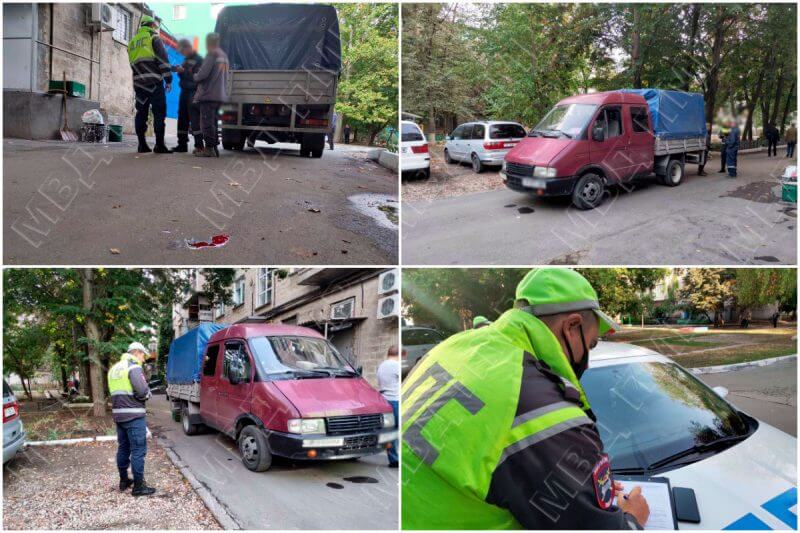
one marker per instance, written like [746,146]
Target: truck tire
[233,139]
[589,192]
[188,428]
[254,449]
[674,175]
[316,144]
[477,165]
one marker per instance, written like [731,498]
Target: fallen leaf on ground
[114,251]
[313,209]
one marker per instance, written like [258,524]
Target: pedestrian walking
[732,148]
[129,392]
[186,71]
[791,140]
[772,134]
[152,79]
[347,134]
[389,385]
[701,167]
[212,81]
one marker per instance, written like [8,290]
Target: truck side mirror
[598,133]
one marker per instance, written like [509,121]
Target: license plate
[533,183]
[8,412]
[510,145]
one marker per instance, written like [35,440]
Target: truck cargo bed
[184,391]
[282,87]
[679,146]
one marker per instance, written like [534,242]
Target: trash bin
[789,192]
[114,133]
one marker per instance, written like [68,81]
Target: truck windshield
[565,119]
[655,416]
[295,356]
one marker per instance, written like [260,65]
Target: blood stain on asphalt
[360,479]
[525,210]
[767,258]
[510,205]
[335,485]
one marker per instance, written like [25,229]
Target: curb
[59,442]
[216,507]
[739,366]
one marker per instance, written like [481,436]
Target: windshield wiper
[300,374]
[722,442]
[338,371]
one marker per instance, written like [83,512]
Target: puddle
[360,479]
[757,191]
[767,258]
[525,210]
[382,208]
[334,485]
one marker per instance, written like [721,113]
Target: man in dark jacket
[151,70]
[723,152]
[129,392]
[186,72]
[701,168]
[772,134]
[212,91]
[732,148]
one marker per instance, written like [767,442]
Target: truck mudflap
[329,447]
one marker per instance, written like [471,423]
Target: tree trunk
[26,389]
[635,52]
[694,28]
[712,84]
[789,100]
[93,335]
[64,378]
[773,117]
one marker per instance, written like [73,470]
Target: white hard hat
[137,346]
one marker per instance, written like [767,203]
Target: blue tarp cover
[676,114]
[186,353]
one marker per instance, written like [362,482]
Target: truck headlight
[544,172]
[303,426]
[388,420]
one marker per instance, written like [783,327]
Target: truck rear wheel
[674,174]
[188,427]
[589,192]
[254,449]
[233,139]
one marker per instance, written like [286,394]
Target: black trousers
[723,156]
[772,148]
[147,97]
[204,122]
[185,116]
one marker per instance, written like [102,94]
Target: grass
[735,355]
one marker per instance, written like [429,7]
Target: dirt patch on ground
[449,180]
[714,347]
[757,191]
[65,423]
[76,487]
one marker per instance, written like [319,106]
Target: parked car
[285,62]
[415,158]
[417,341]
[590,141]
[482,144]
[13,432]
[276,390]
[656,418]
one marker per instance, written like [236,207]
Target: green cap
[551,291]
[480,320]
[146,19]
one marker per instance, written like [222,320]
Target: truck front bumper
[540,186]
[329,447]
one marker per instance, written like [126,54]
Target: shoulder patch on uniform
[603,484]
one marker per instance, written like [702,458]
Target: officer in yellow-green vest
[151,71]
[480,322]
[497,431]
[129,392]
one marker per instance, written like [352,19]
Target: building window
[215,9]
[122,25]
[238,292]
[219,310]
[264,287]
[343,309]
[179,12]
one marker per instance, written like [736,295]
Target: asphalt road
[288,495]
[768,393]
[72,203]
[706,220]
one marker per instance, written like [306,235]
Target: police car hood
[733,485]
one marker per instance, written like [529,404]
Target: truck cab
[590,141]
[285,390]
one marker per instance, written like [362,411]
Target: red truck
[277,390]
[590,141]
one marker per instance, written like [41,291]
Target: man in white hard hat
[129,392]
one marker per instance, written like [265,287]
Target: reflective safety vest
[119,384]
[460,420]
[141,46]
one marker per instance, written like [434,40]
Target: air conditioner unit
[389,281]
[389,306]
[102,16]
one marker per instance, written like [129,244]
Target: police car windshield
[648,412]
[295,356]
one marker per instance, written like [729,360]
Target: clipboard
[661,500]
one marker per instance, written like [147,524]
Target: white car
[415,158]
[654,415]
[483,143]
[417,342]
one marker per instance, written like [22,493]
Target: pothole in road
[382,208]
